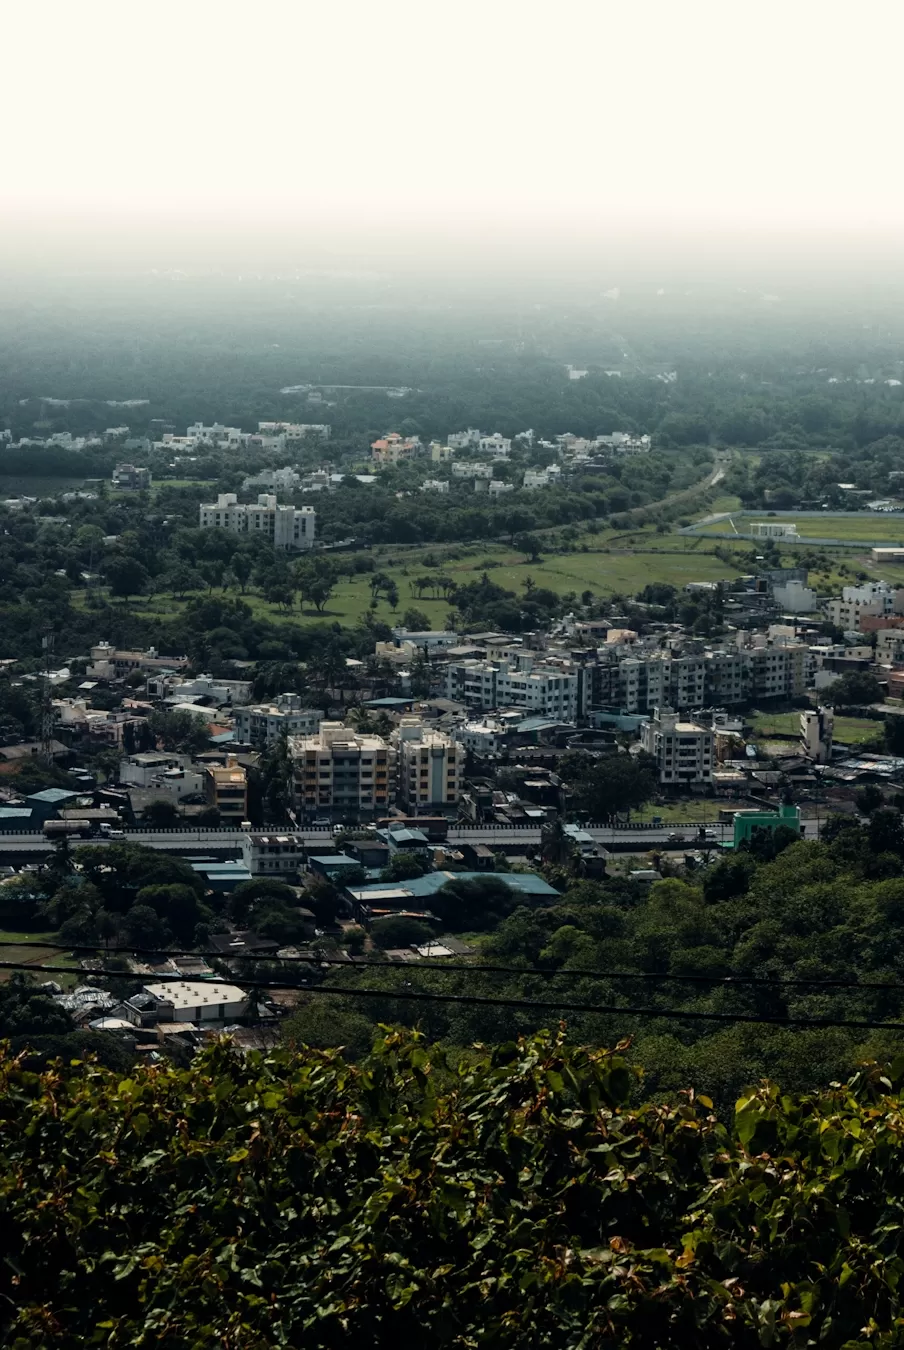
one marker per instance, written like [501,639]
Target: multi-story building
[112,663]
[286,479]
[285,527]
[499,447]
[430,766]
[465,440]
[393,448]
[816,727]
[724,678]
[435,485]
[296,431]
[181,690]
[261,724]
[556,691]
[660,679]
[340,771]
[273,855]
[131,477]
[440,453]
[875,598]
[227,790]
[684,751]
[776,670]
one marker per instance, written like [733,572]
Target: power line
[492,1001]
[547,972]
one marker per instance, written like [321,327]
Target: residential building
[177,690]
[874,598]
[795,598]
[430,766]
[555,690]
[776,670]
[440,453]
[465,440]
[393,448]
[684,751]
[170,775]
[227,790]
[816,725]
[496,446]
[112,663]
[341,771]
[131,477]
[286,527]
[296,431]
[261,724]
[274,480]
[273,855]
[435,485]
[496,487]
[660,680]
[463,468]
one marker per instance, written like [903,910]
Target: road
[230,841]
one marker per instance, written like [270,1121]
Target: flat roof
[195,993]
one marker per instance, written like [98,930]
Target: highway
[230,841]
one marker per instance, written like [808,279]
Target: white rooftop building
[285,527]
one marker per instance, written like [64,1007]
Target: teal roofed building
[747,822]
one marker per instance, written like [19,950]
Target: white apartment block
[498,447]
[776,671]
[465,440]
[435,485]
[274,480]
[552,690]
[341,771]
[284,527]
[684,751]
[262,724]
[471,469]
[273,855]
[496,487]
[430,766]
[296,431]
[874,598]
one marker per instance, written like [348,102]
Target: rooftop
[195,993]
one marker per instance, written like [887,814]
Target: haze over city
[408,134]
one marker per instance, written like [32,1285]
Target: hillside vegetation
[513,1199]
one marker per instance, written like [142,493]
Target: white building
[261,724]
[285,527]
[773,529]
[463,468]
[684,751]
[170,775]
[496,446]
[795,598]
[339,770]
[430,766]
[197,1001]
[273,855]
[496,487]
[816,726]
[286,479]
[485,737]
[874,598]
[179,690]
[555,691]
[435,485]
[465,440]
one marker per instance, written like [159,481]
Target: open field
[872,525]
[848,730]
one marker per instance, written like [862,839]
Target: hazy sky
[475,114]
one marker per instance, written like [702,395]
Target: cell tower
[46,702]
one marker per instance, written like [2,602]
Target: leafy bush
[512,1200]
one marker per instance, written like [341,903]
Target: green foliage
[517,1199]
[403,867]
[399,931]
[608,786]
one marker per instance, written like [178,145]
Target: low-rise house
[186,1001]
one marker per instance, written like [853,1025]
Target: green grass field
[867,525]
[848,730]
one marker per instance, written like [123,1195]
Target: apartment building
[498,447]
[112,663]
[273,855]
[285,527]
[465,440]
[261,724]
[724,678]
[131,477]
[874,598]
[660,680]
[393,448]
[339,771]
[430,766]
[683,750]
[556,691]
[286,479]
[776,670]
[227,790]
